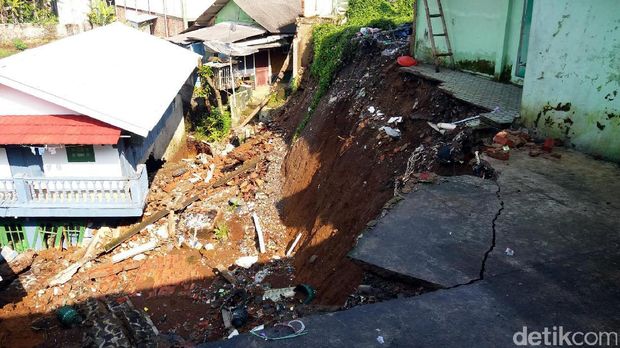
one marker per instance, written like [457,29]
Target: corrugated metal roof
[223,32]
[276,16]
[56,129]
[115,74]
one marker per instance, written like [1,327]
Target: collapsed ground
[341,174]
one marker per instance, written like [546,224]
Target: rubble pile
[201,254]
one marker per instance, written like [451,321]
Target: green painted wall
[572,81]
[484,34]
[231,12]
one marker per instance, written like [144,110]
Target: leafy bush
[213,126]
[27,11]
[19,45]
[332,43]
[101,13]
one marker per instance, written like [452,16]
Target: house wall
[162,26]
[231,12]
[73,11]
[5,168]
[14,102]
[320,8]
[484,34]
[572,81]
[107,164]
[172,8]
[162,141]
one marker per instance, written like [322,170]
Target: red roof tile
[56,129]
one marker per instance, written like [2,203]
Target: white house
[79,118]
[161,17]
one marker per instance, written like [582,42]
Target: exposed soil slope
[342,170]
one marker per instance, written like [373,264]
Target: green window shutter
[81,153]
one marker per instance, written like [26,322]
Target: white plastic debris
[396,120]
[210,173]
[259,232]
[261,275]
[276,294]
[233,334]
[447,126]
[258,328]
[194,179]
[139,257]
[435,127]
[209,246]
[380,340]
[290,250]
[162,233]
[371,109]
[246,261]
[8,254]
[509,252]
[392,132]
[389,52]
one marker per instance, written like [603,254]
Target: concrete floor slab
[476,90]
[554,209]
[438,233]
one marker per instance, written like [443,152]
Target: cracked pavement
[560,219]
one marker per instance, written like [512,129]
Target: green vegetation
[101,13]
[19,45]
[332,43]
[203,90]
[213,126]
[221,232]
[27,11]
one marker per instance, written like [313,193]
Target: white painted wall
[174,8]
[14,102]
[321,8]
[73,11]
[107,164]
[5,168]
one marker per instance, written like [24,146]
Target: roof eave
[74,106]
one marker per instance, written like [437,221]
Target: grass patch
[221,232]
[333,47]
[6,51]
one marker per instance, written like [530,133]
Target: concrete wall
[14,102]
[37,33]
[572,81]
[484,34]
[107,164]
[5,168]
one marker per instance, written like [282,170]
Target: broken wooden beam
[111,269]
[247,165]
[134,251]
[148,221]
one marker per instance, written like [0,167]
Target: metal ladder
[432,35]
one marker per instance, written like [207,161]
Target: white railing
[7,191]
[72,192]
[46,190]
